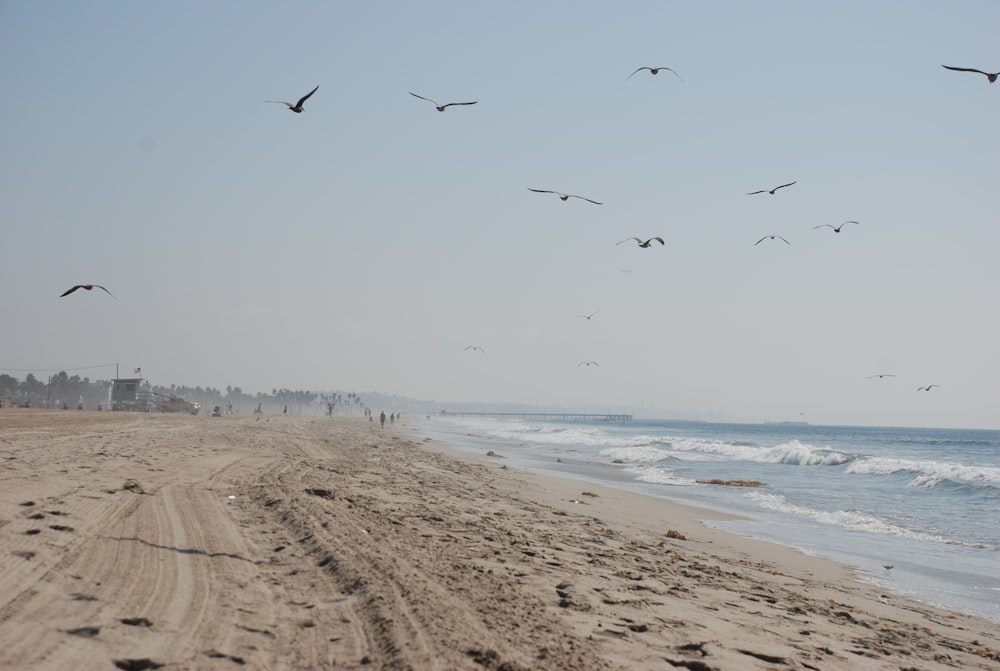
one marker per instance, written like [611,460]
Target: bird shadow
[184,551]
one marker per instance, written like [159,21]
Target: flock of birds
[299,106]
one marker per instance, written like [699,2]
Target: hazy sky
[363,244]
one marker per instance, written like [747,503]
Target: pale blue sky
[363,244]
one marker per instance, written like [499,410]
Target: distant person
[381,419]
[392,419]
[258,411]
[285,411]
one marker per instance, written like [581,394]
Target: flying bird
[991,76]
[927,388]
[564,196]
[772,237]
[836,229]
[88,287]
[754,193]
[654,71]
[474,347]
[297,107]
[439,107]
[881,375]
[643,243]
[588,363]
[590,315]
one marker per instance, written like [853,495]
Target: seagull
[772,237]
[654,71]
[437,106]
[927,388]
[642,243]
[836,229]
[881,375]
[474,347]
[588,363]
[590,315]
[564,196]
[991,76]
[888,567]
[88,287]
[297,107]
[754,193]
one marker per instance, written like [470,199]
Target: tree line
[65,391]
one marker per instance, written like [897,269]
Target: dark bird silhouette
[588,363]
[297,107]
[564,196]
[439,107]
[888,567]
[836,229]
[88,287]
[654,71]
[881,375]
[474,347]
[927,388]
[643,243]
[772,237]
[991,76]
[754,193]
[590,315]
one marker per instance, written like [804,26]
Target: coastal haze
[366,243]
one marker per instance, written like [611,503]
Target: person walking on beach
[392,419]
[381,419]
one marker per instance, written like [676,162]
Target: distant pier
[546,416]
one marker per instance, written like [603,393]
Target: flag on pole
[138,371]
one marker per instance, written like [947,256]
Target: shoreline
[936,586]
[301,543]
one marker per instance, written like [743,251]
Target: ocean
[926,501]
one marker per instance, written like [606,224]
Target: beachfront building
[131,394]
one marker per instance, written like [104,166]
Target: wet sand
[140,541]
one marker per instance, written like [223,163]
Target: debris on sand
[133,486]
[731,483]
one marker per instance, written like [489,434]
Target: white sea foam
[927,473]
[791,453]
[855,520]
[657,475]
[635,453]
[650,447]
[582,436]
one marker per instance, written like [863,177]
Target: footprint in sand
[136,622]
[136,664]
[221,655]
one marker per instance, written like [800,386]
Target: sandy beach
[143,541]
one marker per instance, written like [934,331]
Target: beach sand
[137,540]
